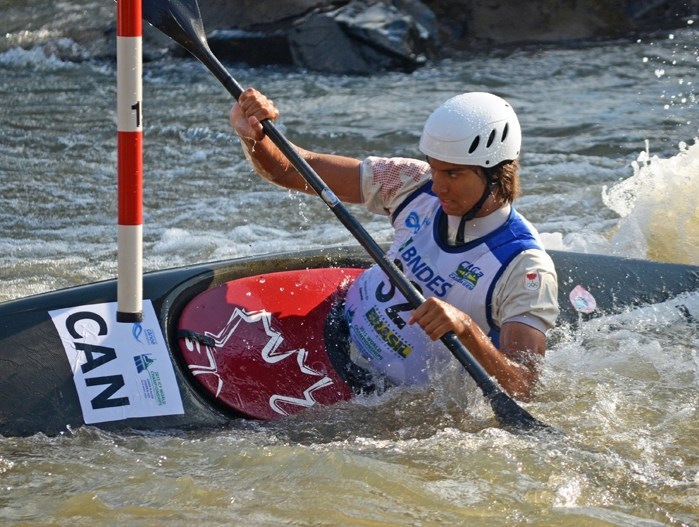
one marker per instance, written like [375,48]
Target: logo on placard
[137,331]
[142,362]
[152,386]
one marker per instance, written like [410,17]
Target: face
[458,187]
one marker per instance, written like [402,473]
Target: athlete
[458,238]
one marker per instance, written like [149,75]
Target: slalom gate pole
[129,162]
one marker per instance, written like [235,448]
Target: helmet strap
[473,211]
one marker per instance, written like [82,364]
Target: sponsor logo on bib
[467,274]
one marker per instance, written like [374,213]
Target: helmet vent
[504,132]
[491,138]
[474,144]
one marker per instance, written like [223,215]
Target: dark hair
[505,179]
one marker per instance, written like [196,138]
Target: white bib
[464,276]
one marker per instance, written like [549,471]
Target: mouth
[451,207]
[446,203]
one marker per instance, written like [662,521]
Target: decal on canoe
[582,300]
[270,353]
[258,344]
[120,370]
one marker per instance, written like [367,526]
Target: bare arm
[514,365]
[340,173]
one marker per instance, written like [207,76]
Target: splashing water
[659,207]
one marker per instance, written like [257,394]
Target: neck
[490,205]
[475,228]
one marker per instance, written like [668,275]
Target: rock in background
[362,36]
[482,24]
[365,36]
[358,37]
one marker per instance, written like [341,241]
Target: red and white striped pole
[129,161]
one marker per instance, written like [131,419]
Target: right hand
[248,113]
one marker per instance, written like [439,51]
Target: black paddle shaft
[181,21]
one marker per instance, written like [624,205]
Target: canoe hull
[38,391]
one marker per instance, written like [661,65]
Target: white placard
[120,370]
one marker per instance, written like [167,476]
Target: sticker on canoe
[582,300]
[257,344]
[120,370]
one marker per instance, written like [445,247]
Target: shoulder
[535,259]
[387,181]
[389,171]
[533,269]
[528,290]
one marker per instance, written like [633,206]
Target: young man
[478,262]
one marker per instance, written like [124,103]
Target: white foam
[658,207]
[47,55]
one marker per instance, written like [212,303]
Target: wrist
[248,143]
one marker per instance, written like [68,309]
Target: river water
[610,165]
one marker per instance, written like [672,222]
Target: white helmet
[476,128]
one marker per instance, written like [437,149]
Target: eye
[445,174]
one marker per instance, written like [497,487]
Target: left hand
[437,317]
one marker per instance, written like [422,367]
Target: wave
[658,207]
[62,53]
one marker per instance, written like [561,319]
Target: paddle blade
[513,417]
[178,19]
[181,21]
